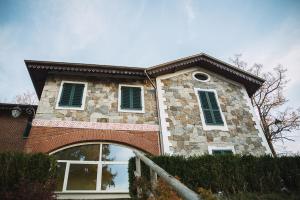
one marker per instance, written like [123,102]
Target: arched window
[93,167]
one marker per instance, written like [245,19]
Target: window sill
[213,127]
[92,195]
[131,111]
[69,108]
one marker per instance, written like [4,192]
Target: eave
[39,70]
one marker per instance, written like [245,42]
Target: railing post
[138,170]
[179,187]
[138,174]
[153,178]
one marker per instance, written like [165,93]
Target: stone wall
[101,103]
[187,136]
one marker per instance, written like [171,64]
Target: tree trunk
[272,148]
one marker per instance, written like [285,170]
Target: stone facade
[101,104]
[187,136]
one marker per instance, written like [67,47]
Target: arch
[48,139]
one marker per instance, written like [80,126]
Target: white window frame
[200,72]
[58,107]
[99,164]
[129,110]
[204,125]
[226,148]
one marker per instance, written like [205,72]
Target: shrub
[231,174]
[27,176]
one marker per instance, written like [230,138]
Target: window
[72,95]
[201,76]
[210,108]
[93,167]
[222,152]
[131,98]
[211,115]
[226,150]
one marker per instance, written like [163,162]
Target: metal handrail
[180,188]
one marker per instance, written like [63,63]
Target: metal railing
[155,170]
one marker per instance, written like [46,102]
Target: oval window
[200,76]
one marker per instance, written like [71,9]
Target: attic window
[200,76]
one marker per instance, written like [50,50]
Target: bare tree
[26,98]
[277,120]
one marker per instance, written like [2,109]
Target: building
[92,116]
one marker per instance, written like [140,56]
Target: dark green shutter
[77,95]
[210,108]
[71,95]
[65,94]
[131,98]
[136,98]
[125,97]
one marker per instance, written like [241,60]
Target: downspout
[158,115]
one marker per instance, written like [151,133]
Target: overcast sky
[145,33]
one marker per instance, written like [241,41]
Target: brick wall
[11,132]
[47,139]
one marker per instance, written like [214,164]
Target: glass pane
[61,168]
[114,177]
[82,177]
[112,152]
[85,152]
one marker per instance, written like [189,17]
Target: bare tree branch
[26,98]
[269,100]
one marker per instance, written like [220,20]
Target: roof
[39,70]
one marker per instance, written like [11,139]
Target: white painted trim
[83,96]
[95,125]
[170,75]
[142,98]
[200,72]
[66,177]
[99,171]
[163,116]
[211,148]
[99,164]
[257,121]
[87,143]
[204,125]
[75,195]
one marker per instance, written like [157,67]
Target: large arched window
[93,167]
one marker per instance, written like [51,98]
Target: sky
[145,33]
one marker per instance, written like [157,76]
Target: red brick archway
[48,139]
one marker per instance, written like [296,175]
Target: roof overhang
[39,70]
[250,81]
[7,107]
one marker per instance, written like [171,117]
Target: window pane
[82,177]
[61,168]
[114,177]
[221,152]
[86,152]
[112,152]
